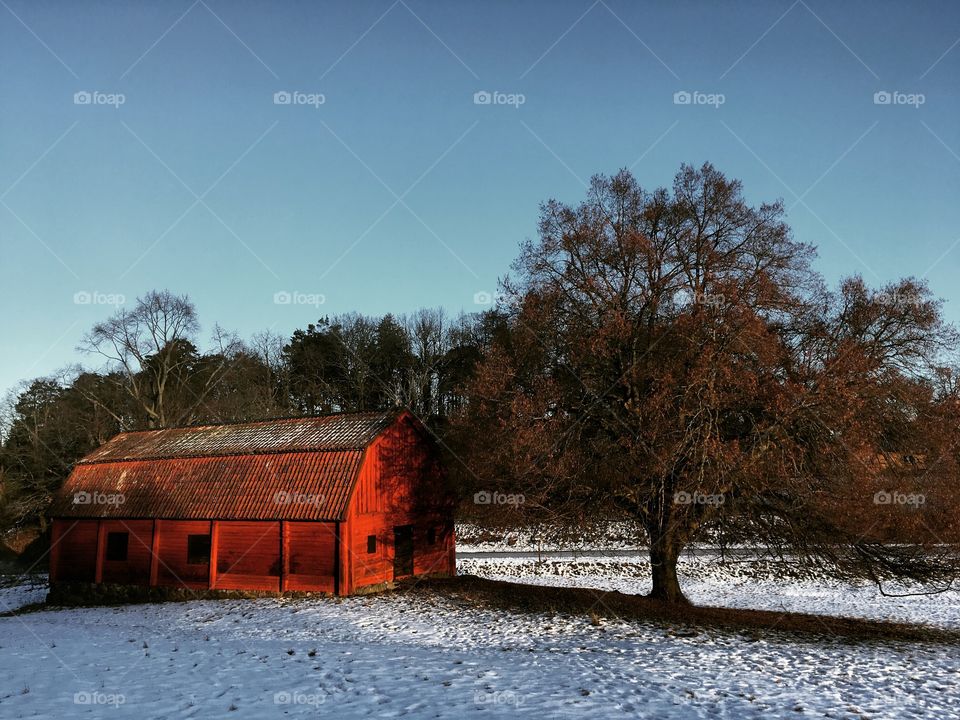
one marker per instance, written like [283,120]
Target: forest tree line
[156,375]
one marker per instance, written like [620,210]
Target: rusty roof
[291,468]
[289,486]
[345,431]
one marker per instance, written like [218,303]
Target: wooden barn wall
[394,490]
[135,570]
[73,553]
[309,556]
[248,555]
[172,568]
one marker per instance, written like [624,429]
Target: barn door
[402,551]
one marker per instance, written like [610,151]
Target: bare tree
[151,345]
[429,339]
[267,346]
[672,358]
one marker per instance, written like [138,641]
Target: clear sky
[398,190]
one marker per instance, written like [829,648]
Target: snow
[741,584]
[423,655]
[614,537]
[17,591]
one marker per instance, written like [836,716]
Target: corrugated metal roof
[291,468]
[290,486]
[345,431]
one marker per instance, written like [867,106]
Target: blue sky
[398,190]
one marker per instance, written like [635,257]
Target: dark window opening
[198,549]
[371,543]
[403,551]
[117,546]
[431,536]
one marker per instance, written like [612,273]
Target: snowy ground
[707,581]
[615,536]
[17,591]
[422,655]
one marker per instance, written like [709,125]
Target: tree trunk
[664,553]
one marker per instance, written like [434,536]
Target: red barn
[332,504]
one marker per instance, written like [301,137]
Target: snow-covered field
[706,581]
[423,655]
[16,591]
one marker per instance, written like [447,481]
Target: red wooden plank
[77,551]
[284,556]
[214,552]
[154,554]
[248,552]
[175,570]
[101,549]
[311,556]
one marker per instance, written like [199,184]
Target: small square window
[198,549]
[117,546]
[431,536]
[371,543]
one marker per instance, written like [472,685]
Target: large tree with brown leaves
[673,358]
